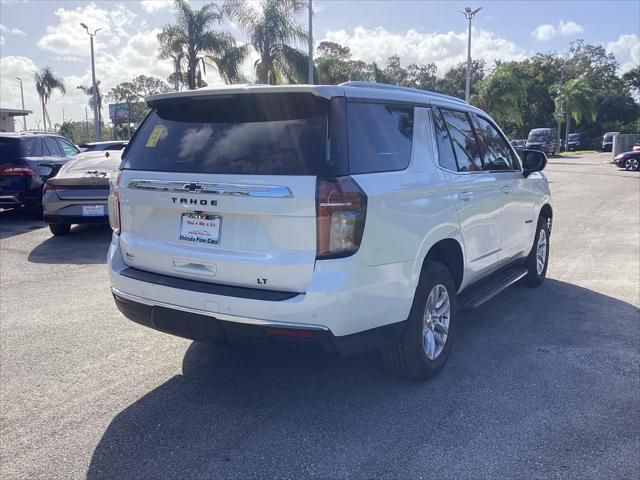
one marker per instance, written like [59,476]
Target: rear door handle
[507,189]
[465,196]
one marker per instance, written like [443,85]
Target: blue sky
[39,32]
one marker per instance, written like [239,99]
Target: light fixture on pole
[311,42]
[469,14]
[24,117]
[96,117]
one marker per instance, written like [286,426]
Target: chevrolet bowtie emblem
[192,187]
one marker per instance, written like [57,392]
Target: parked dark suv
[27,160]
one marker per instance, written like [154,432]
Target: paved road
[541,383]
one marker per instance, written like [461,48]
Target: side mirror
[533,161]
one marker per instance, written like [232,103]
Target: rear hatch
[223,189]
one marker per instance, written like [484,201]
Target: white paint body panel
[407,213]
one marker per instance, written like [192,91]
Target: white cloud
[569,28]
[444,49]
[546,32]
[12,31]
[2,40]
[24,68]
[627,51]
[67,36]
[151,6]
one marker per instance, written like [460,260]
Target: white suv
[341,218]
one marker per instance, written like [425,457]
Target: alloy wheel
[435,327]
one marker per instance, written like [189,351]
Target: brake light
[49,187]
[16,171]
[341,208]
[114,201]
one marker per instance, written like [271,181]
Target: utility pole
[469,14]
[86,124]
[560,113]
[24,117]
[96,115]
[310,42]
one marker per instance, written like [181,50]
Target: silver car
[78,193]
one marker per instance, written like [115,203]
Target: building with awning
[7,118]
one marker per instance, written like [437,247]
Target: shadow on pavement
[533,376]
[86,244]
[18,221]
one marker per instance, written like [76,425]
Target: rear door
[223,189]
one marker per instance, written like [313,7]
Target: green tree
[502,95]
[146,86]
[46,82]
[89,91]
[631,80]
[577,98]
[192,41]
[454,80]
[273,32]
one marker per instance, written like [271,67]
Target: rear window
[13,148]
[380,137]
[249,134]
[9,148]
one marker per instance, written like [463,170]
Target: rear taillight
[49,187]
[16,171]
[114,201]
[341,208]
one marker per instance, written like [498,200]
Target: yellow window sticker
[158,132]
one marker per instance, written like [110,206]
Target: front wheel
[539,256]
[424,347]
[631,164]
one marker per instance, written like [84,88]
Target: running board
[488,288]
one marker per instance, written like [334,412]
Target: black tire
[631,164]
[534,277]
[59,229]
[407,357]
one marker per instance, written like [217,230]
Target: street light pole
[24,117]
[310,42]
[469,14]
[96,116]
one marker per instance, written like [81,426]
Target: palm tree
[577,98]
[502,95]
[89,91]
[190,41]
[46,83]
[272,30]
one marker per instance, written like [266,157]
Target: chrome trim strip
[227,189]
[219,316]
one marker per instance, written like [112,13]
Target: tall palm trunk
[567,130]
[44,114]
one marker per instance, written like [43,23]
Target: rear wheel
[631,164]
[424,347]
[59,229]
[539,256]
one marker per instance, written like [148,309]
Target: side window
[51,145]
[380,137]
[446,157]
[31,147]
[498,155]
[68,149]
[465,143]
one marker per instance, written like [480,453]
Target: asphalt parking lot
[542,383]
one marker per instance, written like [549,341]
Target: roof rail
[386,86]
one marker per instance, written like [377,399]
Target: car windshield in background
[574,136]
[277,134]
[538,137]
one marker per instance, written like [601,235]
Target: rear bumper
[204,326]
[343,297]
[74,219]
